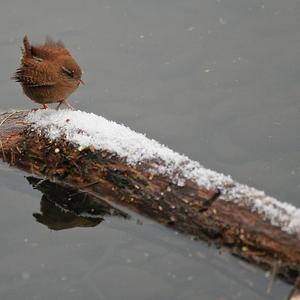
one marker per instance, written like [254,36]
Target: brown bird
[48,73]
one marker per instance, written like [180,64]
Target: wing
[34,73]
[49,50]
[50,42]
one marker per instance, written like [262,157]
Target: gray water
[216,80]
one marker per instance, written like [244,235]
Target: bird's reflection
[64,207]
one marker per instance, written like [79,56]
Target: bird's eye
[67,71]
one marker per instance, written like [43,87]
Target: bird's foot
[45,106]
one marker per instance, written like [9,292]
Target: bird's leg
[66,102]
[58,106]
[45,106]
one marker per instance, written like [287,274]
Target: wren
[48,73]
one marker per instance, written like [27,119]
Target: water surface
[216,80]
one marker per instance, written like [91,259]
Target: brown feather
[27,47]
[48,73]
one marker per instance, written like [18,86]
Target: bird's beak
[82,82]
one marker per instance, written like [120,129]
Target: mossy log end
[187,209]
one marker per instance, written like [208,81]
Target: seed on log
[173,219]
[186,201]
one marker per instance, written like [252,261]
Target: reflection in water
[64,207]
[55,218]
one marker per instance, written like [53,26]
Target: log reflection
[64,207]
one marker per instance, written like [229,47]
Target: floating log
[212,208]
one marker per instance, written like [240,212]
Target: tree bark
[188,209]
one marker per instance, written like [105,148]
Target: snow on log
[126,168]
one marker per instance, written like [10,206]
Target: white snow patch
[85,129]
[278,213]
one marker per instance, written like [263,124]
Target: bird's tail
[27,47]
